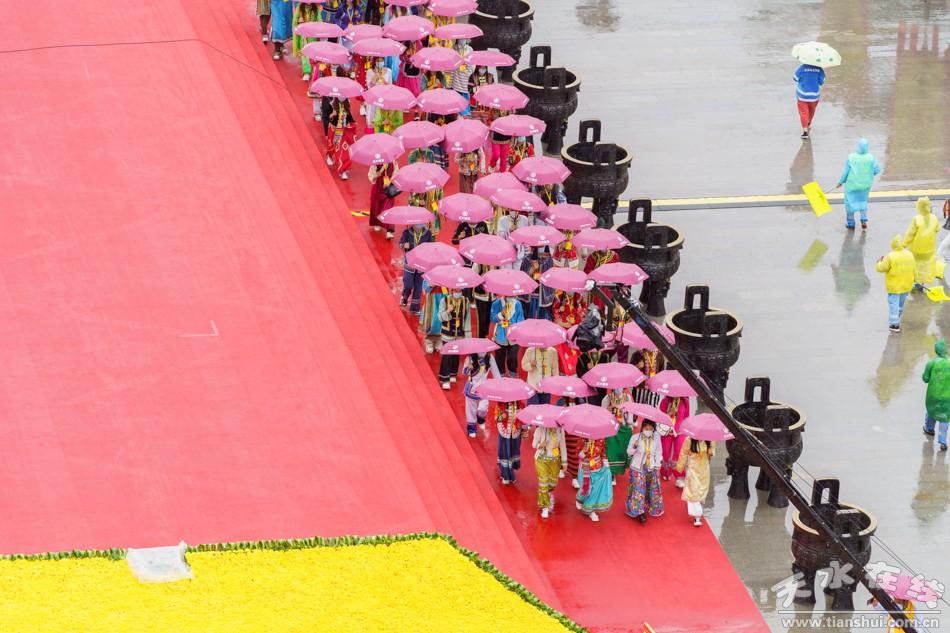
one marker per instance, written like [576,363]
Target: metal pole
[776,475]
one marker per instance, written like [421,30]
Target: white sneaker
[472,434]
[544,513]
[306,77]
[452,379]
[318,116]
[594,517]
[389,235]
[428,346]
[276,56]
[377,229]
[504,482]
[697,522]
[561,474]
[265,39]
[446,386]
[575,484]
[613,482]
[680,482]
[580,506]
[329,160]
[345,175]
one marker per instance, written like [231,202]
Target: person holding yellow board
[921,239]
[857,178]
[898,268]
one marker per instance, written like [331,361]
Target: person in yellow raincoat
[898,269]
[921,239]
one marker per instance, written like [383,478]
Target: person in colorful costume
[921,239]
[694,458]
[481,77]
[937,376]
[550,460]
[263,16]
[672,441]
[594,480]
[505,312]
[471,168]
[455,313]
[483,303]
[387,121]
[539,363]
[650,362]
[568,308]
[644,494]
[596,259]
[429,322]
[616,445]
[565,253]
[412,279]
[342,135]
[281,25]
[380,177]
[380,75]
[509,440]
[857,178]
[304,12]
[478,367]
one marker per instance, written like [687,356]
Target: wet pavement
[703,95]
[705,101]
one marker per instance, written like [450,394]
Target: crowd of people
[646,451]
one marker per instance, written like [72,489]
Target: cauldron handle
[692,291]
[509,10]
[845,522]
[832,485]
[634,207]
[764,384]
[714,324]
[656,236]
[592,125]
[554,78]
[544,52]
[605,154]
[777,418]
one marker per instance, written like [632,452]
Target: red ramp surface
[200,345]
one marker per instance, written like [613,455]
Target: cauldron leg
[604,209]
[717,381]
[506,74]
[652,295]
[739,488]
[776,498]
[763,483]
[842,598]
[805,592]
[555,142]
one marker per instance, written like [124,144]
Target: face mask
[482,70]
[648,433]
[456,294]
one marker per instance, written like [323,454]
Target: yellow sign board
[816,198]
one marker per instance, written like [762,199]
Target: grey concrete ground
[701,92]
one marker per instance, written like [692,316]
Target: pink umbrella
[452,8]
[907,587]
[406,214]
[504,390]
[614,376]
[378,47]
[518,125]
[566,279]
[466,346]
[600,239]
[517,200]
[390,97]
[569,217]
[359,32]
[489,250]
[541,170]
[536,235]
[705,426]
[465,135]
[406,3]
[420,178]
[318,29]
[617,273]
[376,149]
[633,336]
[431,254]
[645,411]
[509,283]
[669,383]
[441,101]
[466,207]
[494,59]
[567,386]
[336,87]
[436,58]
[588,420]
[453,277]
[487,186]
[500,97]
[327,52]
[408,28]
[536,332]
[418,133]
[544,415]
[458,31]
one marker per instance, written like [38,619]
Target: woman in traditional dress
[342,135]
[565,253]
[263,15]
[378,75]
[478,367]
[509,440]
[595,482]
[481,77]
[644,494]
[429,322]
[411,237]
[281,25]
[596,259]
[380,176]
[678,410]
[551,194]
[304,12]
[505,312]
[616,446]
[519,149]
[459,78]
[695,458]
[471,168]
[455,313]
[409,75]
[539,363]
[650,362]
[550,460]
[568,308]
[387,121]
[483,302]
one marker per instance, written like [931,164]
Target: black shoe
[929,432]
[805,135]
[850,227]
[642,518]
[943,447]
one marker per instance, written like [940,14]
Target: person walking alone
[921,239]
[937,377]
[857,178]
[809,79]
[898,269]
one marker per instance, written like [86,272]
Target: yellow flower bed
[405,586]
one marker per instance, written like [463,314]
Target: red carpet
[159,191]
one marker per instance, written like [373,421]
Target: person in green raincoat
[921,239]
[937,377]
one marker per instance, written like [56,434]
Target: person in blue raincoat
[857,178]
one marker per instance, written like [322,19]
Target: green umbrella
[816,54]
